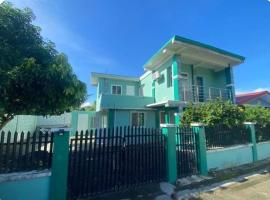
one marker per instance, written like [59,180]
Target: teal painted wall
[64,119]
[263,150]
[163,92]
[229,157]
[106,84]
[123,118]
[109,101]
[22,123]
[37,189]
[146,84]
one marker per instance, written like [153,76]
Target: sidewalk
[207,189]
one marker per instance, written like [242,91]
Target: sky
[119,36]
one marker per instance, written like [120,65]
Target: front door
[200,91]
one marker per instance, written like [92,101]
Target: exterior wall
[109,101]
[146,85]
[123,118]
[162,92]
[105,88]
[229,157]
[263,150]
[36,188]
[56,120]
[21,123]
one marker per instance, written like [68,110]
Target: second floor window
[116,89]
[169,76]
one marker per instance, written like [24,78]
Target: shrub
[213,113]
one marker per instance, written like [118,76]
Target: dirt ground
[257,187]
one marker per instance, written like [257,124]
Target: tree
[213,113]
[35,78]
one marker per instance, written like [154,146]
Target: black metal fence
[262,133]
[25,151]
[105,160]
[186,152]
[222,136]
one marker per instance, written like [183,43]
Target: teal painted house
[182,71]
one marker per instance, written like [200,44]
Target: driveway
[256,187]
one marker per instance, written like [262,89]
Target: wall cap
[16,176]
[196,124]
[168,125]
[249,123]
[60,129]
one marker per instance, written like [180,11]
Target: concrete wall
[229,157]
[21,123]
[263,150]
[56,120]
[36,188]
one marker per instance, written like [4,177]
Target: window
[116,89]
[141,90]
[137,119]
[162,117]
[130,90]
[169,76]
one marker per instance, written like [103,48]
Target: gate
[106,160]
[186,152]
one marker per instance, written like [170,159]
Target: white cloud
[239,91]
[85,104]
[1,1]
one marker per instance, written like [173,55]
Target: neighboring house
[182,71]
[261,98]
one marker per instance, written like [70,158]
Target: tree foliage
[35,77]
[257,114]
[213,113]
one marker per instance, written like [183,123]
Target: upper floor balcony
[196,94]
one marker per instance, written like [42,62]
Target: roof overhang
[95,76]
[166,104]
[194,53]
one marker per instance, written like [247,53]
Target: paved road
[256,188]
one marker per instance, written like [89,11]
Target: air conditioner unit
[156,75]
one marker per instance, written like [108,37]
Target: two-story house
[182,71]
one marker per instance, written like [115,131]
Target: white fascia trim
[148,72]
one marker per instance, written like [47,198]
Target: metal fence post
[169,130]
[251,128]
[59,178]
[199,130]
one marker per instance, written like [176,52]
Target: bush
[257,114]
[213,113]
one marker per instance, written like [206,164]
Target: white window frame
[130,87]
[117,86]
[144,120]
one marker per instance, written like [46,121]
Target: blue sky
[119,36]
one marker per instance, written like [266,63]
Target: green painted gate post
[169,130]
[58,186]
[199,131]
[251,129]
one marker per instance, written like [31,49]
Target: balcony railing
[197,93]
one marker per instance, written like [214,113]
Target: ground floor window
[162,116]
[137,118]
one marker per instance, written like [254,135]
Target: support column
[251,129]
[154,90]
[74,122]
[198,128]
[59,178]
[230,82]
[111,118]
[176,73]
[176,85]
[169,130]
